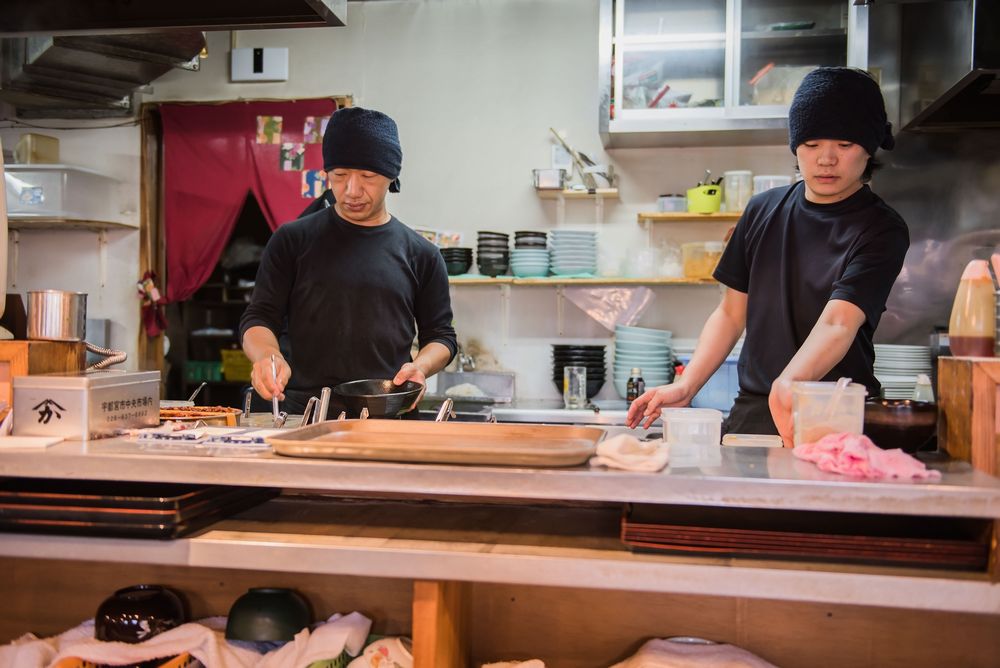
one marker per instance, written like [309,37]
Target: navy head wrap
[839,103]
[357,138]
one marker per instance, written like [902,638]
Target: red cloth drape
[211,159]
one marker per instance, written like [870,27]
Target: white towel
[204,640]
[662,653]
[534,663]
[626,452]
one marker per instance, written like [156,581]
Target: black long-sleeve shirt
[355,298]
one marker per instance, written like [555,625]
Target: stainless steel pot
[57,315]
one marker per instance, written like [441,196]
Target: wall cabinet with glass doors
[715,72]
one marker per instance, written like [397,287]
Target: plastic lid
[691,415]
[737,172]
[636,371]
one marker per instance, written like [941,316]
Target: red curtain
[212,157]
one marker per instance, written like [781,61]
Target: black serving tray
[101,508]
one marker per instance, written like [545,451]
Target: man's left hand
[780,403]
[411,371]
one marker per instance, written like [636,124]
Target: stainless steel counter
[734,477]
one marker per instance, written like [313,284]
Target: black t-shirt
[355,298]
[791,256]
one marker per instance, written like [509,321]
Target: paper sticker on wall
[269,129]
[322,125]
[310,130]
[292,156]
[313,183]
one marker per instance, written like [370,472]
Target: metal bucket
[57,315]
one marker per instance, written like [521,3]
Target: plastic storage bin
[721,389]
[236,365]
[700,258]
[60,191]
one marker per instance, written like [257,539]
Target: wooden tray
[892,540]
[442,442]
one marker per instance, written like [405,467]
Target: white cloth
[628,453]
[662,653]
[534,663]
[204,640]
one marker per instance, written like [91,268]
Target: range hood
[949,64]
[91,58]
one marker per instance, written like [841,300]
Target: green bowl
[268,614]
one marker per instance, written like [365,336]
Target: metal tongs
[279,415]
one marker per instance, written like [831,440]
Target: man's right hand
[262,378]
[647,407]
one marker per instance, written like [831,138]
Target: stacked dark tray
[895,540]
[119,509]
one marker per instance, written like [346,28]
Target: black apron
[750,414]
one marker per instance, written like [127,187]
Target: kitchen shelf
[47,223]
[556,280]
[386,539]
[684,217]
[600,193]
[795,38]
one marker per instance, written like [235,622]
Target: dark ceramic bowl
[268,614]
[900,423]
[138,613]
[594,386]
[493,268]
[379,396]
[457,267]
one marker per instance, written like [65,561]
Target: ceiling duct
[90,58]
[89,76]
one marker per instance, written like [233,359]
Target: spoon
[838,392]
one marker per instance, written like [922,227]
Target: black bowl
[268,614]
[579,347]
[493,268]
[456,252]
[379,396]
[493,235]
[138,613]
[593,386]
[458,267]
[900,423]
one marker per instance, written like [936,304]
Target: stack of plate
[573,252]
[647,349]
[897,366]
[493,253]
[591,357]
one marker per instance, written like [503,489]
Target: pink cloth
[854,455]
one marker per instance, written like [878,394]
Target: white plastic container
[668,203]
[767,181]
[694,436]
[60,191]
[818,409]
[737,187]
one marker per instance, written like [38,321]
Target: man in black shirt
[355,284]
[809,267]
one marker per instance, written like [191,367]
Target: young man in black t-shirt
[809,267]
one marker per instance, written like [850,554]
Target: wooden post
[968,424]
[438,625]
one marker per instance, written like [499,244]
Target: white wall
[70,259]
[474,86]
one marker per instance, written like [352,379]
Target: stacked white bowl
[572,252]
[897,366]
[647,349]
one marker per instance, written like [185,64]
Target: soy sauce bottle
[635,385]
